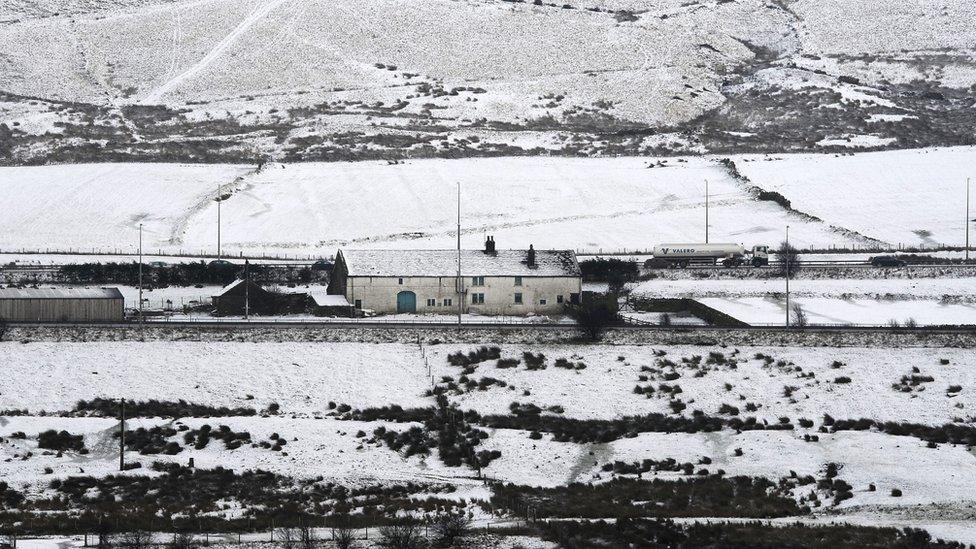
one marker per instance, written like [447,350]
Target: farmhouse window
[518,281]
[359,303]
[518,298]
[477,281]
[478,299]
[559,298]
[448,302]
[542,302]
[431,302]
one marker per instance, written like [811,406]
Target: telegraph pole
[787,250]
[218,220]
[459,281]
[247,288]
[706,211]
[122,435]
[967,220]
[140,273]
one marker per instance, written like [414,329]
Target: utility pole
[706,211]
[247,288]
[218,220]
[140,274]
[787,251]
[968,221]
[122,435]
[460,284]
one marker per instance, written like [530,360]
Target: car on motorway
[887,261]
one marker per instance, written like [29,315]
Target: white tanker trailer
[730,255]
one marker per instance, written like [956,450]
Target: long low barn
[492,282]
[61,304]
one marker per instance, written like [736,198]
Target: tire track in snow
[260,13]
[489,227]
[182,223]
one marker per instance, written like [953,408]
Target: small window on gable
[518,281]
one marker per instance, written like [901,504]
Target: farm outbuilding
[61,304]
[329,305]
[239,295]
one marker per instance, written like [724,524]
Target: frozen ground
[940,289]
[302,378]
[868,301]
[923,190]
[584,204]
[771,310]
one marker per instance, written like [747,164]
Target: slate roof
[60,293]
[443,263]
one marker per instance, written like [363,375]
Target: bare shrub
[182,540]
[451,528]
[402,536]
[799,315]
[135,539]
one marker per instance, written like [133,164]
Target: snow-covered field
[302,379]
[588,204]
[922,191]
[759,311]
[869,301]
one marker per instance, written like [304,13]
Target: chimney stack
[490,245]
[530,260]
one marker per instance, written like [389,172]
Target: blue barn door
[406,302]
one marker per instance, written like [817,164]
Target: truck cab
[760,256]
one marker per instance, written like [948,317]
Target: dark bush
[60,441]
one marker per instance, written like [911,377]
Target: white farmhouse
[492,282]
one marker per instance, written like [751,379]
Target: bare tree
[788,259]
[593,315]
[799,315]
[402,536]
[451,528]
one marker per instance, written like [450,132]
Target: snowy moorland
[879,422]
[236,80]
[584,204]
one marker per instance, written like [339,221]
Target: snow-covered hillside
[301,79]
[588,204]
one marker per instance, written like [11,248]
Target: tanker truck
[730,255]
